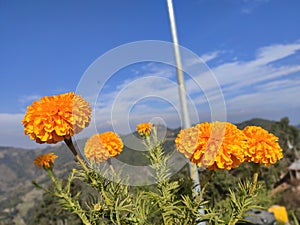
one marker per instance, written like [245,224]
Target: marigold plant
[216,145]
[55,118]
[101,147]
[263,147]
[45,160]
[144,129]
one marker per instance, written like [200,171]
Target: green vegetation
[16,190]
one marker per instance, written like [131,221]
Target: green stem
[255,178]
[233,221]
[53,179]
[106,199]
[147,142]
[165,222]
[154,131]
[61,194]
[111,166]
[70,145]
[206,182]
[254,183]
[76,208]
[158,161]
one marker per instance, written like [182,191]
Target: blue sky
[252,47]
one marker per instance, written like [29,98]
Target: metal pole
[182,93]
[180,77]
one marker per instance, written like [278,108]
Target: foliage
[216,192]
[289,138]
[110,200]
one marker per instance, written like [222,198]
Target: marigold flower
[101,147]
[280,213]
[217,145]
[144,129]
[263,147]
[55,118]
[45,160]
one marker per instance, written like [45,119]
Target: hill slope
[18,197]
[266,124]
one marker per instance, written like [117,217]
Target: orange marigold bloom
[46,160]
[216,145]
[54,118]
[101,147]
[263,146]
[144,129]
[280,213]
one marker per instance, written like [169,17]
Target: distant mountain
[18,197]
[298,126]
[264,123]
[17,194]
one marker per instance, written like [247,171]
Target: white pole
[182,93]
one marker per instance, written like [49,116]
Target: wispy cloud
[260,85]
[139,100]
[264,86]
[12,132]
[263,68]
[210,56]
[205,57]
[246,85]
[24,99]
[256,80]
[276,52]
[248,6]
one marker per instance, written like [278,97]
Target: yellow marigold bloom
[54,118]
[101,147]
[280,213]
[263,147]
[46,160]
[217,145]
[144,129]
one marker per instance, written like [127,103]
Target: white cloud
[12,132]
[272,100]
[275,52]
[270,82]
[250,5]
[279,85]
[272,104]
[205,57]
[233,76]
[28,98]
[261,87]
[127,105]
[210,56]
